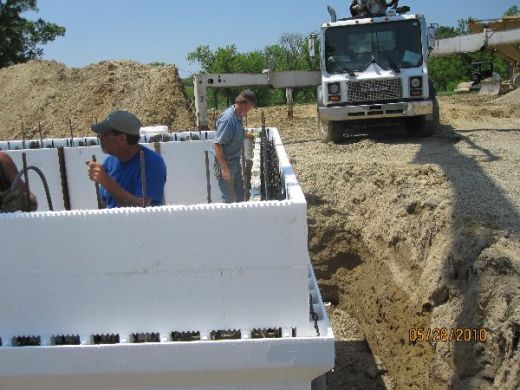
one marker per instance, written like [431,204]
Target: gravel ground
[417,233]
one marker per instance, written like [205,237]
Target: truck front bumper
[374,111]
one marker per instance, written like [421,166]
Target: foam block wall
[198,268]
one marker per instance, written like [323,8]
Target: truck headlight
[416,89]
[333,88]
[416,82]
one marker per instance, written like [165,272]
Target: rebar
[42,177]
[98,191]
[143,176]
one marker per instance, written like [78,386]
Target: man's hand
[226,173]
[97,173]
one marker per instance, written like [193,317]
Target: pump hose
[42,177]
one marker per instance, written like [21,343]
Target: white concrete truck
[374,69]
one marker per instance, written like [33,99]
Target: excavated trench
[356,282]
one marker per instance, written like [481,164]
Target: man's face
[110,142]
[249,107]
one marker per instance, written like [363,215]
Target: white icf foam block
[185,268]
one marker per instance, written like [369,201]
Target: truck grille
[374,90]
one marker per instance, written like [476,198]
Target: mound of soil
[510,99]
[49,93]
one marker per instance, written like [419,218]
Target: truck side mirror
[311,41]
[432,35]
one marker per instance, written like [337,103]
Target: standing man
[120,174]
[228,142]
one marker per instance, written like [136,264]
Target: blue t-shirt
[128,175]
[230,133]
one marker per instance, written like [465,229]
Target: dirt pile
[52,94]
[510,99]
[408,234]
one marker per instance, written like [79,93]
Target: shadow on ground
[355,368]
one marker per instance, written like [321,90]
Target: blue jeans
[232,191]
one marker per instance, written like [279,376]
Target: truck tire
[419,126]
[330,131]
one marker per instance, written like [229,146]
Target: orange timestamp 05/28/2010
[424,334]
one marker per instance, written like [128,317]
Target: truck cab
[374,69]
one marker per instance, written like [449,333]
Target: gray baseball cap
[122,121]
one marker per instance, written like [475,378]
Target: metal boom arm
[289,79]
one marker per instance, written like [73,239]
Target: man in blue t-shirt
[228,142]
[120,173]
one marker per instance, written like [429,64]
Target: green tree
[512,11]
[290,53]
[20,39]
[204,56]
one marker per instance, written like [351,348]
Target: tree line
[290,53]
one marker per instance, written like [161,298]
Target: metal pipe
[98,192]
[143,176]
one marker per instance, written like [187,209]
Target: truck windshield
[394,45]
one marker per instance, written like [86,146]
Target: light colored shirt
[230,133]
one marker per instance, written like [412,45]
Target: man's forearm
[123,197]
[219,154]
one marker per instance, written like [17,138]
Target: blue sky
[166,30]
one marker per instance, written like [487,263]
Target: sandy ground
[404,234]
[417,234]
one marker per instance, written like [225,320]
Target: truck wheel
[419,126]
[330,131]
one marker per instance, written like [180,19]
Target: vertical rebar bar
[143,176]
[98,192]
[208,181]
[26,179]
[64,179]
[244,181]
[41,134]
[23,137]
[71,133]
[157,148]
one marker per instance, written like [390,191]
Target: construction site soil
[405,234]
[58,98]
